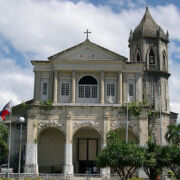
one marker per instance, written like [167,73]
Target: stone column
[143,128]
[35,87]
[143,136]
[119,94]
[68,164]
[125,87]
[55,87]
[106,128]
[102,88]
[139,87]
[31,165]
[73,95]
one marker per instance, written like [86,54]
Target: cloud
[16,82]
[40,28]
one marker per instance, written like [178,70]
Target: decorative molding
[119,124]
[56,124]
[86,123]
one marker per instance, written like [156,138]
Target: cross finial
[87,32]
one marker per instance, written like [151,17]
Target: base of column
[105,171]
[141,173]
[31,168]
[69,169]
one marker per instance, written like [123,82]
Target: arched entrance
[86,146]
[51,151]
[131,136]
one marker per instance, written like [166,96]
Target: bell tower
[149,44]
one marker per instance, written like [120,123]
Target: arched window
[138,57]
[165,97]
[87,87]
[151,57]
[88,80]
[164,61]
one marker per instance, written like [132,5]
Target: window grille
[44,88]
[65,87]
[152,97]
[110,90]
[131,91]
[87,91]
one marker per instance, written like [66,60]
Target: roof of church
[148,28]
[87,42]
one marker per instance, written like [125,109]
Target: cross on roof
[87,32]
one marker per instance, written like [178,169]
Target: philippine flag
[6,110]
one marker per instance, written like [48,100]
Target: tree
[173,159]
[3,140]
[124,158]
[155,159]
[173,134]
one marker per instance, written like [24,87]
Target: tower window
[164,61]
[151,57]
[138,59]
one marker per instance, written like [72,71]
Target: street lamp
[21,120]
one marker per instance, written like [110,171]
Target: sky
[37,29]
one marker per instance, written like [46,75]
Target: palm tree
[173,134]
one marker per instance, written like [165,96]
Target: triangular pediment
[87,51]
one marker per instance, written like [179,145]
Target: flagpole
[9,155]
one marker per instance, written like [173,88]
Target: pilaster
[68,164]
[106,128]
[120,94]
[143,128]
[55,87]
[139,91]
[73,96]
[102,88]
[35,86]
[31,165]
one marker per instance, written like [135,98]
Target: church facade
[89,86]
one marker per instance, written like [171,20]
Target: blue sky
[36,29]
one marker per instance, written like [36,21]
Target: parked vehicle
[4,169]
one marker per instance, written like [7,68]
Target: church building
[82,92]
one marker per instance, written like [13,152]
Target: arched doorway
[51,151]
[131,136]
[86,146]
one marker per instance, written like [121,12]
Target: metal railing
[43,176]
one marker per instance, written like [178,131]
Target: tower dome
[148,28]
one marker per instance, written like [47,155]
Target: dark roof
[148,28]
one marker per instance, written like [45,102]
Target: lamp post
[21,120]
